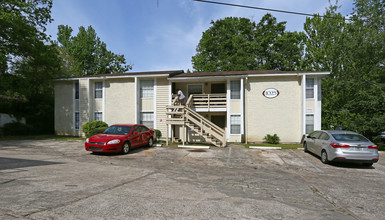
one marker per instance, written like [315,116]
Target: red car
[121,138]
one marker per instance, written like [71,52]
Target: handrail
[189,115]
[218,132]
[207,100]
[190,98]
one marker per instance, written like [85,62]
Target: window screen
[147,118]
[235,124]
[98,90]
[98,116]
[309,123]
[235,87]
[147,88]
[77,120]
[309,88]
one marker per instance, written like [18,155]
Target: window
[147,118]
[77,120]
[309,88]
[235,87]
[235,124]
[194,89]
[76,90]
[98,116]
[309,123]
[324,136]
[98,90]
[147,89]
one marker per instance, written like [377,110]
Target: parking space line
[228,158]
[311,164]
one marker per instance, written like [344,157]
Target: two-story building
[220,107]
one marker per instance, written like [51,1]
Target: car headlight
[116,141]
[87,140]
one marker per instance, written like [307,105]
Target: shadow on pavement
[13,163]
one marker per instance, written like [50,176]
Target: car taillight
[335,145]
[373,147]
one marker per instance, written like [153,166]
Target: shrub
[377,139]
[158,134]
[272,139]
[94,127]
[17,128]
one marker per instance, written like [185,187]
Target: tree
[239,44]
[27,62]
[354,93]
[85,54]
[22,25]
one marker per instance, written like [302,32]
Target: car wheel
[150,142]
[305,147]
[367,164]
[324,157]
[126,148]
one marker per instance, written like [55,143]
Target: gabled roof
[246,73]
[168,73]
[179,74]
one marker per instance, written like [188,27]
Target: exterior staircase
[186,116]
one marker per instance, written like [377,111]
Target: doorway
[218,88]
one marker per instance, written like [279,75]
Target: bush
[94,127]
[272,139]
[158,134]
[17,128]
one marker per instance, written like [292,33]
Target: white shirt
[180,94]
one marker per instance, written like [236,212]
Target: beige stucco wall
[119,101]
[64,115]
[280,115]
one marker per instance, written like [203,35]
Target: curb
[265,148]
[191,146]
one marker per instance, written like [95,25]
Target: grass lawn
[283,146]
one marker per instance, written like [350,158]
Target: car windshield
[349,137]
[122,130]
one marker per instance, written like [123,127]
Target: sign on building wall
[270,93]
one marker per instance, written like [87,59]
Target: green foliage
[158,133]
[272,139]
[353,95]
[27,62]
[22,25]
[85,54]
[17,128]
[94,127]
[239,44]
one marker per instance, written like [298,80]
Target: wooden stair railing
[185,115]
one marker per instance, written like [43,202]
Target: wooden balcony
[207,102]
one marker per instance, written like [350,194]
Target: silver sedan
[341,146]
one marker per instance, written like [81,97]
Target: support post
[167,135]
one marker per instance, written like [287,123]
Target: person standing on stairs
[181,96]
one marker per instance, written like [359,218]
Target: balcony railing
[207,101]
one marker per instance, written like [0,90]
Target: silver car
[341,146]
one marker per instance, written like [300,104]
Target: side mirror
[135,133]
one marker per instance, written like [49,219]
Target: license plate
[357,148]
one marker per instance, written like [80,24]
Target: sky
[157,35]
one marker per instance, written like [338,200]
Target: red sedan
[120,138]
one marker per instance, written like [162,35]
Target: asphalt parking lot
[59,180]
